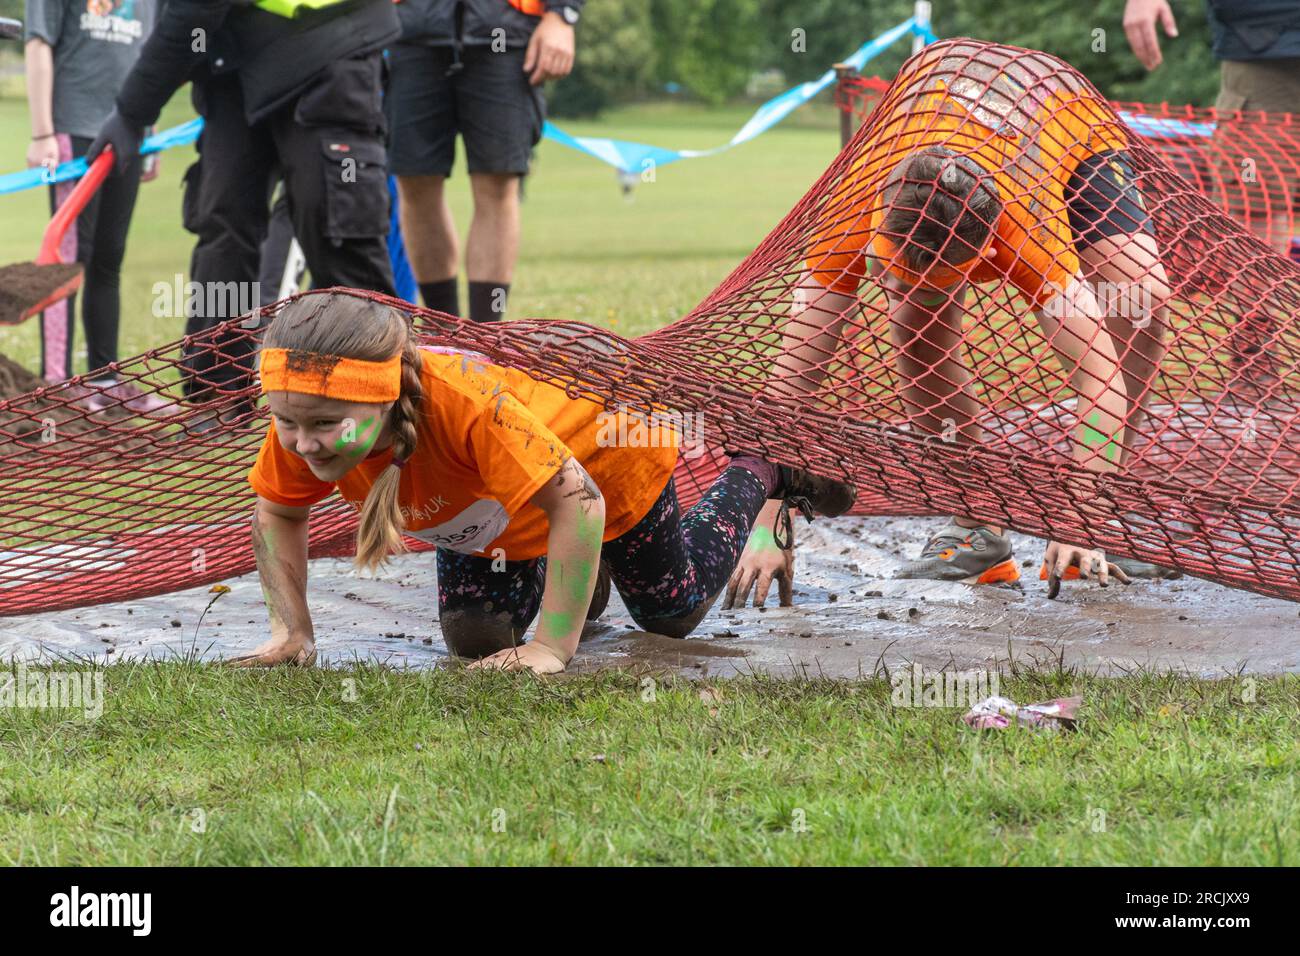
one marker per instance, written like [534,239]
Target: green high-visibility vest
[291,8]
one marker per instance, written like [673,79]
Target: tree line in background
[710,49]
[632,49]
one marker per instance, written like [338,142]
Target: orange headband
[344,379]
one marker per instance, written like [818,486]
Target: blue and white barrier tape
[628,157]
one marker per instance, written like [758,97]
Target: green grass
[586,254]
[196,764]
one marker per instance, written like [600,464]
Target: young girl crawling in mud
[498,471]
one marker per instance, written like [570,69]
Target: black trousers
[101,244]
[328,147]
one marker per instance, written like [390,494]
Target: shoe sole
[1004,573]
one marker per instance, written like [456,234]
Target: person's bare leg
[1138,283]
[493,244]
[1134,301]
[427,227]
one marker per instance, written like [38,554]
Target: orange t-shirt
[489,439]
[1029,134]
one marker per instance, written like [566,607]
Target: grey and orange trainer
[968,555]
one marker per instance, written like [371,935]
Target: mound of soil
[22,425]
[16,380]
[24,284]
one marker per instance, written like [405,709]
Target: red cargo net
[1246,162]
[104,506]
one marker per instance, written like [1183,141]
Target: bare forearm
[572,563]
[39,61]
[575,509]
[928,354]
[280,545]
[809,338]
[808,341]
[1103,399]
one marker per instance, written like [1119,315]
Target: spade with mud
[27,288]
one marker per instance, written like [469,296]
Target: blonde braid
[379,532]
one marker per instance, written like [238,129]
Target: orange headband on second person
[329,376]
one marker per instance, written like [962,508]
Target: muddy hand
[761,563]
[533,656]
[299,652]
[1064,562]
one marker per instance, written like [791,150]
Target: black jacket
[433,22]
[275,57]
[1254,29]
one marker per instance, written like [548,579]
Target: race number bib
[470,531]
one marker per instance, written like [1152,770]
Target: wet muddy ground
[850,618]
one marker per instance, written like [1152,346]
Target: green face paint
[370,429]
[1094,438]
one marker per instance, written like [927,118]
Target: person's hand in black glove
[120,133]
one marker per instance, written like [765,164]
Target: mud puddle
[850,618]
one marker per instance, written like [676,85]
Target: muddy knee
[679,625]
[478,633]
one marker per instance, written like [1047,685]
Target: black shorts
[489,102]
[1102,199]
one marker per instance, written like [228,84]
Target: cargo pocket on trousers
[356,187]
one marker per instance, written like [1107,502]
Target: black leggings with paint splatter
[668,568]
